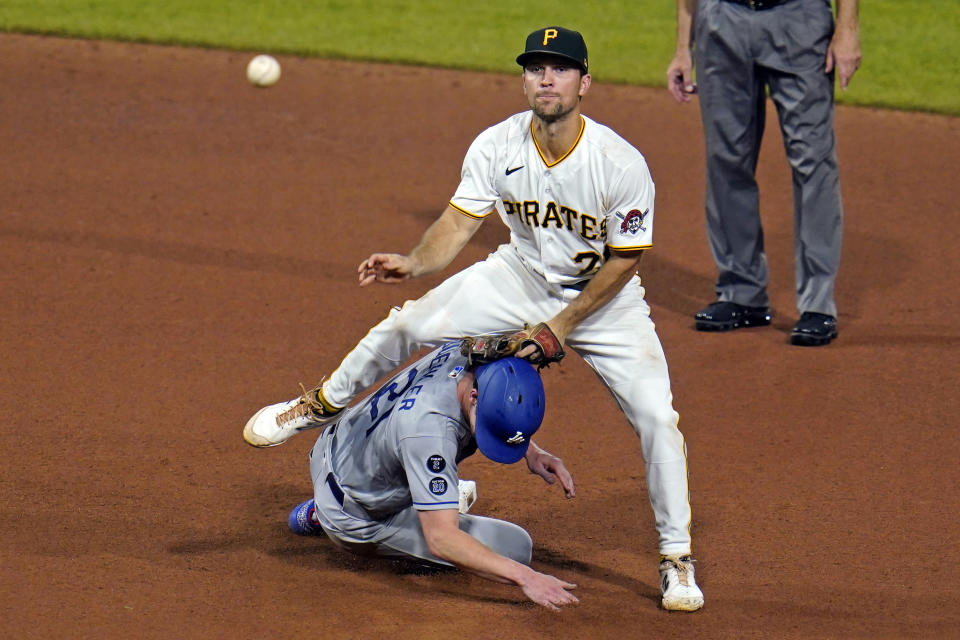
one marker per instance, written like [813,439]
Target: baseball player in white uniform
[579,202]
[385,475]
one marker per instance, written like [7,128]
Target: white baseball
[263,71]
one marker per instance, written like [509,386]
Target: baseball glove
[484,349]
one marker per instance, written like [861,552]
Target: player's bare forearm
[438,246]
[442,241]
[550,468]
[609,280]
[446,540]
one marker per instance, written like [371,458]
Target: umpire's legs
[803,94]
[732,106]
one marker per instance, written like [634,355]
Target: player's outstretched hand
[385,267]
[550,468]
[548,591]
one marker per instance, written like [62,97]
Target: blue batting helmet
[510,407]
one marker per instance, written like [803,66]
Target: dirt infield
[179,250]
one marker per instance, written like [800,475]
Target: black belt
[758,5]
[576,286]
[335,488]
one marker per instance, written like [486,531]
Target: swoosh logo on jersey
[509,171]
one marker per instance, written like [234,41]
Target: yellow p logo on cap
[549,34]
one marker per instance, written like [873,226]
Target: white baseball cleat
[679,588]
[468,494]
[278,423]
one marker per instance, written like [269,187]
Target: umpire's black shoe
[814,329]
[724,316]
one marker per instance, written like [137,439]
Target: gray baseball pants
[740,55]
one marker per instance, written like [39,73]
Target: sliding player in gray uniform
[385,475]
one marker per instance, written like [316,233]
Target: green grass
[911,55]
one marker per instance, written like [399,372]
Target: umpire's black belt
[758,5]
[335,488]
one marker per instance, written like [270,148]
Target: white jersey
[562,216]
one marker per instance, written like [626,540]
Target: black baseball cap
[556,41]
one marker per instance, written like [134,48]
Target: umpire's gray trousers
[740,53]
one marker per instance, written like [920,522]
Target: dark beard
[559,113]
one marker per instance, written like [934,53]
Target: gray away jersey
[403,443]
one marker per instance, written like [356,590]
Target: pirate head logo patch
[633,221]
